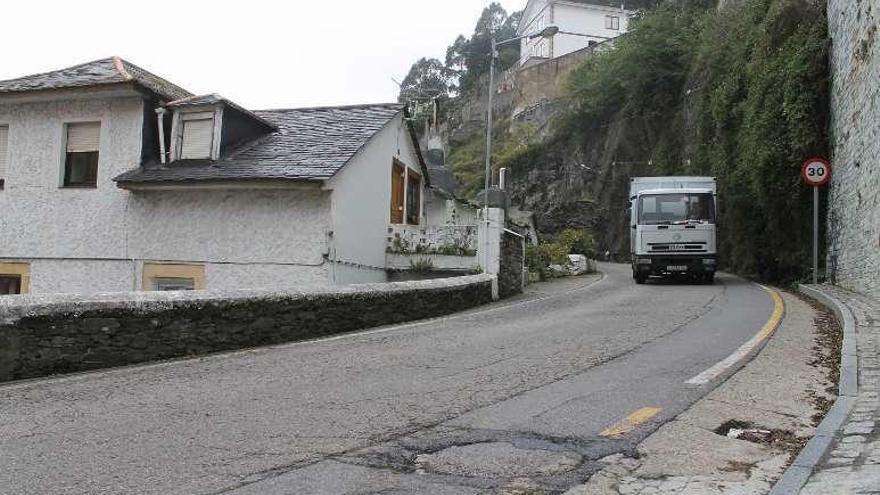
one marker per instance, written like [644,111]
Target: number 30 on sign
[816,172]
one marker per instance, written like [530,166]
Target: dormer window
[197,135]
[208,127]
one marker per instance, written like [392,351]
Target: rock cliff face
[581,180]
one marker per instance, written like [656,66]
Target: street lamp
[548,32]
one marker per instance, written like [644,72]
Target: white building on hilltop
[582,23]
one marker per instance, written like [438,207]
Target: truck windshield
[669,209]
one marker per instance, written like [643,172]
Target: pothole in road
[497,459]
[745,430]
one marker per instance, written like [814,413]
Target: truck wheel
[709,279]
[640,278]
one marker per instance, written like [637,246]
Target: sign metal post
[816,173]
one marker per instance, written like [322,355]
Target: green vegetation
[421,265]
[739,93]
[555,251]
[468,160]
[460,246]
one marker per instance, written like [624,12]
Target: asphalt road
[530,391]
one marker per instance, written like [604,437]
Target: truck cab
[673,227]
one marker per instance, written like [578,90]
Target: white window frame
[177,126]
[612,22]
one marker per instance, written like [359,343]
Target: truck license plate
[677,268]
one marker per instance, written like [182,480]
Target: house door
[397,188]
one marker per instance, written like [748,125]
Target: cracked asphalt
[464,404]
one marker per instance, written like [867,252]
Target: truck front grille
[687,248]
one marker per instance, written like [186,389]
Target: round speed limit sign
[816,172]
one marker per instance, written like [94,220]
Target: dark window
[81,159]
[612,22]
[81,169]
[10,284]
[166,284]
[678,208]
[397,188]
[413,199]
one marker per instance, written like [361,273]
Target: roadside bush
[555,251]
[578,241]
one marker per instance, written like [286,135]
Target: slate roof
[310,144]
[107,71]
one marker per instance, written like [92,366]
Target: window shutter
[198,138]
[4,150]
[82,137]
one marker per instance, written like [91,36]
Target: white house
[581,23]
[114,179]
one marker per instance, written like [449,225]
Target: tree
[455,54]
[493,23]
[428,78]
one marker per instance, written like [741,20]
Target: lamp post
[547,32]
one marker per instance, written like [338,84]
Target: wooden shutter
[198,138]
[4,150]
[83,137]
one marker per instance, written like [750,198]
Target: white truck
[673,227]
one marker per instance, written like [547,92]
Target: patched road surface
[524,394]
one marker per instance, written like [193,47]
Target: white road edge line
[746,349]
[242,352]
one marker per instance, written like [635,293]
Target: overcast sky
[261,54]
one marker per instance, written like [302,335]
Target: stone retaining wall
[512,271]
[43,335]
[854,195]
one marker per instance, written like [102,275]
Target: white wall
[246,238]
[442,211]
[41,220]
[243,226]
[362,203]
[54,276]
[265,276]
[589,21]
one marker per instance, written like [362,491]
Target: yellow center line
[744,351]
[631,422]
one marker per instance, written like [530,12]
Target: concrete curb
[796,476]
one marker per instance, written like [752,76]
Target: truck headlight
[710,261]
[643,261]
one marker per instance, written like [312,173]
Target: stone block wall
[854,195]
[511,273]
[44,335]
[541,84]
